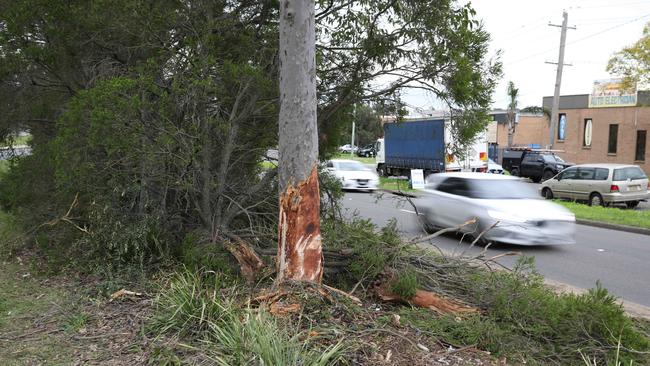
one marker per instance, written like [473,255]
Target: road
[620,260]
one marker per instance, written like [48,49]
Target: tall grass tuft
[256,338]
[190,302]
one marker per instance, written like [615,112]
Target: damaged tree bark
[300,255]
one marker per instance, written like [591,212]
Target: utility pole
[558,77]
[354,120]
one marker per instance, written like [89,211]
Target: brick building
[603,134]
[587,133]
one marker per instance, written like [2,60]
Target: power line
[579,40]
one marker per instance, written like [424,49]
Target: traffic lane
[619,260]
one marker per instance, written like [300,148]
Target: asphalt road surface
[619,260]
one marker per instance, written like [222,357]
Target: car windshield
[631,173]
[502,189]
[352,166]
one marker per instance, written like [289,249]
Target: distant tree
[537,110]
[633,62]
[512,111]
[367,128]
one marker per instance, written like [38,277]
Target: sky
[519,28]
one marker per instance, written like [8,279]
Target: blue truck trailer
[414,144]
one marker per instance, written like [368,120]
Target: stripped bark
[428,300]
[300,255]
[250,263]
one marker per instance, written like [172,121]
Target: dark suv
[538,165]
[367,151]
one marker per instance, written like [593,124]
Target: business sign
[417,178]
[610,93]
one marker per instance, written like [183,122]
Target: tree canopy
[633,62]
[153,116]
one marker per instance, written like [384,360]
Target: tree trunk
[300,256]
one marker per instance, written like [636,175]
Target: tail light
[613,188]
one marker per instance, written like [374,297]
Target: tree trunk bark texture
[300,256]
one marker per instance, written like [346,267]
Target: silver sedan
[510,210]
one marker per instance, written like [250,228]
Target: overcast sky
[520,29]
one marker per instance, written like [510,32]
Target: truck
[474,159]
[412,144]
[536,164]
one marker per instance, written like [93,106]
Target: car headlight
[505,216]
[560,166]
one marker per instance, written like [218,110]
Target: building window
[613,139]
[640,145]
[561,127]
[586,134]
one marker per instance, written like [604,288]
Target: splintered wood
[428,300]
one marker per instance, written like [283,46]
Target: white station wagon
[599,184]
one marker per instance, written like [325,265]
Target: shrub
[405,284]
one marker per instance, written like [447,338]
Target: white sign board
[417,178]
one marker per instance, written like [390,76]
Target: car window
[601,174]
[631,173]
[585,173]
[569,174]
[501,189]
[531,157]
[457,186]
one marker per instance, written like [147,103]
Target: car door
[530,166]
[451,203]
[601,182]
[583,185]
[563,188]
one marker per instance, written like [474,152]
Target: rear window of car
[631,173]
[501,189]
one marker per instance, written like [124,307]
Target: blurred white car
[353,174]
[494,168]
[520,215]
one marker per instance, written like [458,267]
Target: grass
[355,157]
[395,184]
[17,141]
[24,303]
[636,218]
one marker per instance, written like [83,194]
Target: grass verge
[612,215]
[355,157]
[395,184]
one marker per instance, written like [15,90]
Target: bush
[525,320]
[405,284]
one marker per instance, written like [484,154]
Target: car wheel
[547,193]
[631,204]
[515,172]
[547,175]
[596,200]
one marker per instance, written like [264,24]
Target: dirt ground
[62,320]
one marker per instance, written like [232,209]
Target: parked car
[520,216]
[367,151]
[353,174]
[599,184]
[538,165]
[347,148]
[494,168]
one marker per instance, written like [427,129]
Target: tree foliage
[156,114]
[633,62]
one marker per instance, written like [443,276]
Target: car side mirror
[558,178]
[540,159]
